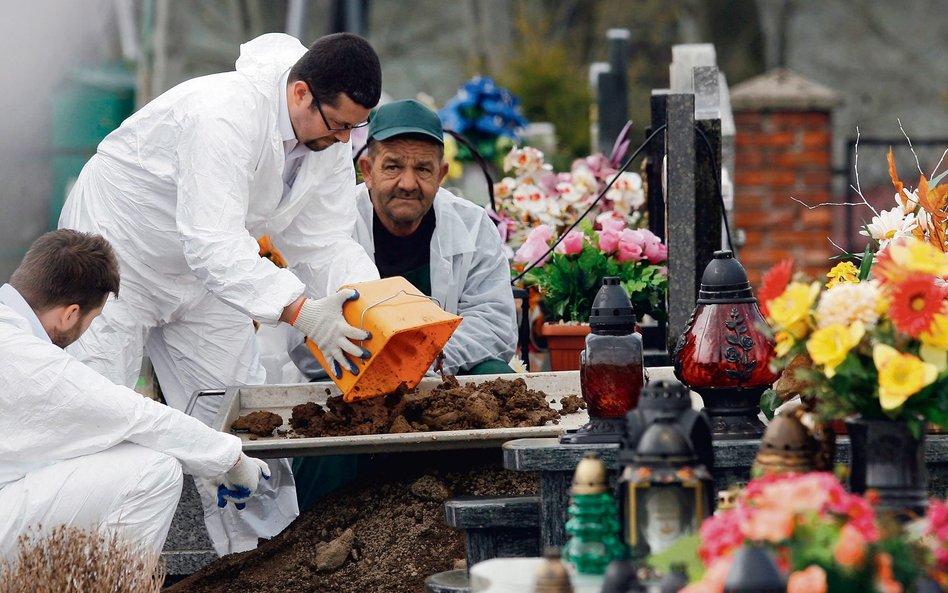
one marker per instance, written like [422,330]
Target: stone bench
[494,527]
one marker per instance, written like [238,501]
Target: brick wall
[783,148]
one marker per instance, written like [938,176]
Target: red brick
[763,257]
[808,120]
[817,139]
[806,158]
[776,139]
[748,158]
[805,238]
[813,178]
[772,178]
[781,217]
[822,216]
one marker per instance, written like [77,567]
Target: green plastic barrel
[89,104]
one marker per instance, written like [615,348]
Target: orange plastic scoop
[408,331]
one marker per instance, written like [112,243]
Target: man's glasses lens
[319,108]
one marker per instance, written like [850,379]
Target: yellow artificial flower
[783,343]
[455,168]
[830,345]
[791,310]
[920,256]
[900,375]
[842,273]
[934,348]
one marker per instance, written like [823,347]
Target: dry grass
[71,560]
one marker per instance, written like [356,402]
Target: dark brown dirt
[501,403]
[382,533]
[261,423]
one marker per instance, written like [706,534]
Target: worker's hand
[240,481]
[322,322]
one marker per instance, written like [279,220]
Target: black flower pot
[888,459]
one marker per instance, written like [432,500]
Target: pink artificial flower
[612,222]
[608,241]
[769,524]
[572,243]
[655,251]
[811,580]
[535,245]
[663,271]
[631,244]
[721,534]
[850,550]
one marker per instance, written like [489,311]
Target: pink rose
[612,224]
[654,250]
[631,244]
[535,245]
[608,241]
[811,580]
[572,243]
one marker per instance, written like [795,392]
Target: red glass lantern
[725,351]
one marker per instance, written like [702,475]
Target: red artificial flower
[915,301]
[775,281]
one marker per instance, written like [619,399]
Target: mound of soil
[501,403]
[383,532]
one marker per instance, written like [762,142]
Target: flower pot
[564,342]
[888,459]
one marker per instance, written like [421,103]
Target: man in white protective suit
[444,245]
[182,188]
[77,449]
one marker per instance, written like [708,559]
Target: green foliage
[569,283]
[551,86]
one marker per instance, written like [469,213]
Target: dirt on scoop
[261,424]
[500,403]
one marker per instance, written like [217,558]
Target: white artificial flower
[505,187]
[584,178]
[570,192]
[524,160]
[890,224]
[908,202]
[849,302]
[530,199]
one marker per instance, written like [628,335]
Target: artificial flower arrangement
[486,115]
[533,194]
[874,339]
[878,346]
[823,538]
[569,278]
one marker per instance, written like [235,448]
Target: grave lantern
[664,492]
[724,352]
[611,371]
[753,571]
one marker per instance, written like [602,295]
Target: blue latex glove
[240,482]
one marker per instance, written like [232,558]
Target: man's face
[67,334]
[403,179]
[312,119]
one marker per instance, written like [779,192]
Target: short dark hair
[67,267]
[341,63]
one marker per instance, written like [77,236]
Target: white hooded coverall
[82,451]
[181,190]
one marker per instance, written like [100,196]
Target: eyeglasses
[319,108]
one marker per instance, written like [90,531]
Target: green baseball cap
[405,117]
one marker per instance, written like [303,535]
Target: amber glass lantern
[611,371]
[725,351]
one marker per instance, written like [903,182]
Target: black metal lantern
[664,492]
[724,353]
[753,571]
[668,398]
[622,577]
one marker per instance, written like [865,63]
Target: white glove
[322,322]
[240,481]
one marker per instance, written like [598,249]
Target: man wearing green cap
[444,245]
